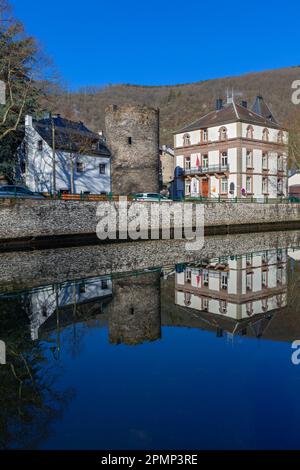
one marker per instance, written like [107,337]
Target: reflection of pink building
[237,287]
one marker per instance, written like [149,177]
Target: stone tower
[132,134]
[134,312]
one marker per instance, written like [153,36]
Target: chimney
[244,104]
[219,104]
[28,120]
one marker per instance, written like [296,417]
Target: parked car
[12,190]
[151,197]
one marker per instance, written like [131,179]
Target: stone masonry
[132,134]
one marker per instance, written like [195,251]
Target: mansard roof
[71,136]
[234,112]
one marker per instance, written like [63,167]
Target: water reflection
[236,293]
[48,330]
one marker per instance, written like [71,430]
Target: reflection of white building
[236,288]
[44,302]
[2,93]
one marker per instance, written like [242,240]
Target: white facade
[44,302]
[74,172]
[237,288]
[234,160]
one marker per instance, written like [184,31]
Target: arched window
[186,139]
[250,131]
[265,135]
[223,133]
[223,306]
[280,137]
[187,298]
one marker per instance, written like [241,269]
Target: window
[224,185]
[264,279]
[249,259]
[265,135]
[264,304]
[187,187]
[205,303]
[249,280]
[265,185]
[187,163]
[280,137]
[129,140]
[280,163]
[265,160]
[187,298]
[249,308]
[279,275]
[205,278]
[249,159]
[265,257]
[23,166]
[104,284]
[224,281]
[79,166]
[224,159]
[186,139]
[82,288]
[40,145]
[249,133]
[188,276]
[280,187]
[248,185]
[223,306]
[223,133]
[102,168]
[205,135]
[205,161]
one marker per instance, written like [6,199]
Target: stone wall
[132,134]
[32,218]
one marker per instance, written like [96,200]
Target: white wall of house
[38,174]
[44,302]
[295,179]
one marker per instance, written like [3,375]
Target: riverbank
[31,224]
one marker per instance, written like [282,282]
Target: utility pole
[53,155]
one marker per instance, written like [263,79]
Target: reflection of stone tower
[132,134]
[134,312]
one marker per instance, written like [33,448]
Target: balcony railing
[200,170]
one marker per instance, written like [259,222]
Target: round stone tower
[132,134]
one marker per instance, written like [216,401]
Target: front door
[204,188]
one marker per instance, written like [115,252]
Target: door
[204,188]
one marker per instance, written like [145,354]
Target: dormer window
[280,137]
[186,139]
[265,135]
[204,135]
[223,133]
[250,131]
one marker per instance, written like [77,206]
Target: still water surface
[192,356]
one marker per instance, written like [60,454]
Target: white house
[44,302]
[234,151]
[81,162]
[236,288]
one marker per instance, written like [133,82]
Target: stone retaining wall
[34,218]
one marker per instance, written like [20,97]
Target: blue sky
[96,42]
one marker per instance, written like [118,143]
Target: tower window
[102,168]
[40,145]
[129,140]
